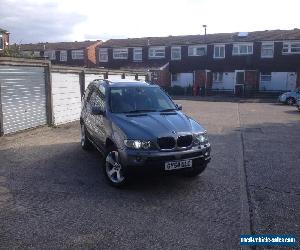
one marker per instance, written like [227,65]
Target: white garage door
[66,97]
[91,77]
[23,97]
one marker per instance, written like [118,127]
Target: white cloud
[103,19]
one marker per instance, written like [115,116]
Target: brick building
[260,61]
[4,40]
[63,53]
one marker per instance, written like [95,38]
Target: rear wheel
[113,169]
[196,170]
[84,141]
[290,101]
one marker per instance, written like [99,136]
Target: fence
[35,93]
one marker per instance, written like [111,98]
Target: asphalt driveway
[53,194]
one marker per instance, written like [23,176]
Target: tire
[84,141]
[195,171]
[115,173]
[290,101]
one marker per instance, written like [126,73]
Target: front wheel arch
[290,100]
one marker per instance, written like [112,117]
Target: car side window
[97,99]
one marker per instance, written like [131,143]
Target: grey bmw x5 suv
[136,125]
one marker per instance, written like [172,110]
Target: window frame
[289,44]
[120,53]
[265,75]
[53,54]
[219,77]
[219,46]
[156,48]
[239,49]
[75,52]
[135,52]
[195,47]
[98,94]
[106,52]
[174,58]
[261,49]
[63,55]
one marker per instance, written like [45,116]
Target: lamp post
[204,26]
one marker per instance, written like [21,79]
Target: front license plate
[171,165]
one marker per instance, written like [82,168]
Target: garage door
[90,77]
[66,97]
[23,97]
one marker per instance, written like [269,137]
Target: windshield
[139,99]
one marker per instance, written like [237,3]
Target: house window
[242,49]
[265,76]
[77,54]
[63,55]
[137,54]
[120,53]
[267,50]
[157,52]
[50,54]
[218,76]
[103,55]
[176,53]
[219,51]
[197,50]
[291,48]
[1,43]
[36,54]
[174,77]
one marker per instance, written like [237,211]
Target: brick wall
[91,55]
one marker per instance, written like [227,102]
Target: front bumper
[157,159]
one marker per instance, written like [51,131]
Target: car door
[96,120]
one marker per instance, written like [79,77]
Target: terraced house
[261,61]
[64,53]
[4,40]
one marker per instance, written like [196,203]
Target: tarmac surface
[53,195]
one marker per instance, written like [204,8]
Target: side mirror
[179,106]
[97,111]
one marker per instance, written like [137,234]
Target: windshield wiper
[141,110]
[167,110]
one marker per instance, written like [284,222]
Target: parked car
[290,97]
[136,125]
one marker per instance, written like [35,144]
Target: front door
[239,77]
[239,82]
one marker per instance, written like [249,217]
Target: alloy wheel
[113,167]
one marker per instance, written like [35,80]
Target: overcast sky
[67,20]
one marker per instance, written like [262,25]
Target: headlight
[137,144]
[200,138]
